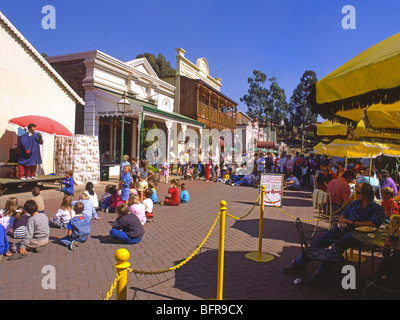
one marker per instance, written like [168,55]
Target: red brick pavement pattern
[88,272]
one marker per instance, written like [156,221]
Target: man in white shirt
[292,183]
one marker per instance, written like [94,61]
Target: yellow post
[261,223]
[220,277]
[259,256]
[122,265]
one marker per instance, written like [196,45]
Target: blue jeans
[342,240]
[123,237]
[66,241]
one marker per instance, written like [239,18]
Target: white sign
[273,188]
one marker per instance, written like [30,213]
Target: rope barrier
[240,218]
[119,274]
[184,261]
[311,220]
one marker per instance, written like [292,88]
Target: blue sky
[280,38]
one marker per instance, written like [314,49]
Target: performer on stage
[29,153]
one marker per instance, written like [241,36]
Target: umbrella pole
[370,169]
[345,165]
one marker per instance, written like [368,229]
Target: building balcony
[211,114]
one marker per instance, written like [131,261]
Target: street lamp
[123,107]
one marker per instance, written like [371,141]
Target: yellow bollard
[259,256]
[122,265]
[220,277]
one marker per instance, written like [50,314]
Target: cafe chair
[315,254]
[323,202]
[381,289]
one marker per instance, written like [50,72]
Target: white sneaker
[23,178]
[28,178]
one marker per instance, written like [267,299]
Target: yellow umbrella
[357,149]
[369,79]
[334,129]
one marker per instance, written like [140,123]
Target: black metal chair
[381,289]
[315,254]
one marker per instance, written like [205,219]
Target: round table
[379,241]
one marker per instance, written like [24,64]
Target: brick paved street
[88,272]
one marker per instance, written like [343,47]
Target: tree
[268,105]
[161,66]
[300,113]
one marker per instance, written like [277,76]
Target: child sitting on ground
[7,214]
[68,183]
[127,228]
[89,211]
[89,189]
[78,228]
[184,197]
[37,232]
[63,215]
[38,199]
[154,196]
[105,199]
[137,208]
[148,205]
[4,244]
[18,230]
[174,200]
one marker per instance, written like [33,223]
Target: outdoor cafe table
[381,234]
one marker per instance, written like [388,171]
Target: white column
[139,125]
[90,121]
[168,124]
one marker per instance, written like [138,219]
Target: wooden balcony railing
[206,112]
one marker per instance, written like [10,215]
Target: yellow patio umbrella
[371,79]
[333,129]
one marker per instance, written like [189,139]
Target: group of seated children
[26,223]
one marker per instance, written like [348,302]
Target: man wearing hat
[29,153]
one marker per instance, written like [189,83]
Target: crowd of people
[132,200]
[370,201]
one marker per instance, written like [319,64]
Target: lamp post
[123,107]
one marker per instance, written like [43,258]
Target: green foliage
[300,113]
[268,105]
[159,64]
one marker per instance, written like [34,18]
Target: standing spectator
[134,169]
[289,164]
[143,176]
[125,183]
[124,163]
[127,228]
[297,166]
[388,181]
[29,153]
[165,170]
